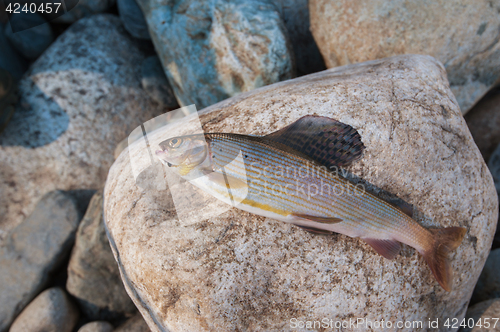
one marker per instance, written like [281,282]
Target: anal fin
[386,248]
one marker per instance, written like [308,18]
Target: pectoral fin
[323,220]
[386,248]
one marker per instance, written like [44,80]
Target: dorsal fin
[327,141]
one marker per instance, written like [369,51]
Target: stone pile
[80,258]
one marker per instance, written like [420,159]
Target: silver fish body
[275,176]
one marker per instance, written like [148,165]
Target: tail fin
[445,240]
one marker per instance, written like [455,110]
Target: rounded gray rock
[52,310]
[79,99]
[98,326]
[212,50]
[239,271]
[134,324]
[33,250]
[483,317]
[463,35]
[93,276]
[33,41]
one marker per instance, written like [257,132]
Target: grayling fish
[287,176]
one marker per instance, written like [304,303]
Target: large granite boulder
[237,271]
[463,35]
[79,99]
[212,50]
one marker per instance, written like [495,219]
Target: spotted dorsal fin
[327,141]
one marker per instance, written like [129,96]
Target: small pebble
[134,324]
[98,326]
[52,310]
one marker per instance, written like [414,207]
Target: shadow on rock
[33,126]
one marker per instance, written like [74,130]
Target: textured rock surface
[96,327]
[463,35]
[52,310]
[133,19]
[79,99]
[488,285]
[135,324]
[215,49]
[239,271]
[93,276]
[33,250]
[488,309]
[35,39]
[484,123]
[295,15]
[155,83]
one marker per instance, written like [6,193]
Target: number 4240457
[47,7]
[487,323]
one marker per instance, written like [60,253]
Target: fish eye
[175,142]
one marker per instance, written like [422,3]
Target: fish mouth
[162,155]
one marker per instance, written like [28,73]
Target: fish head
[183,152]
